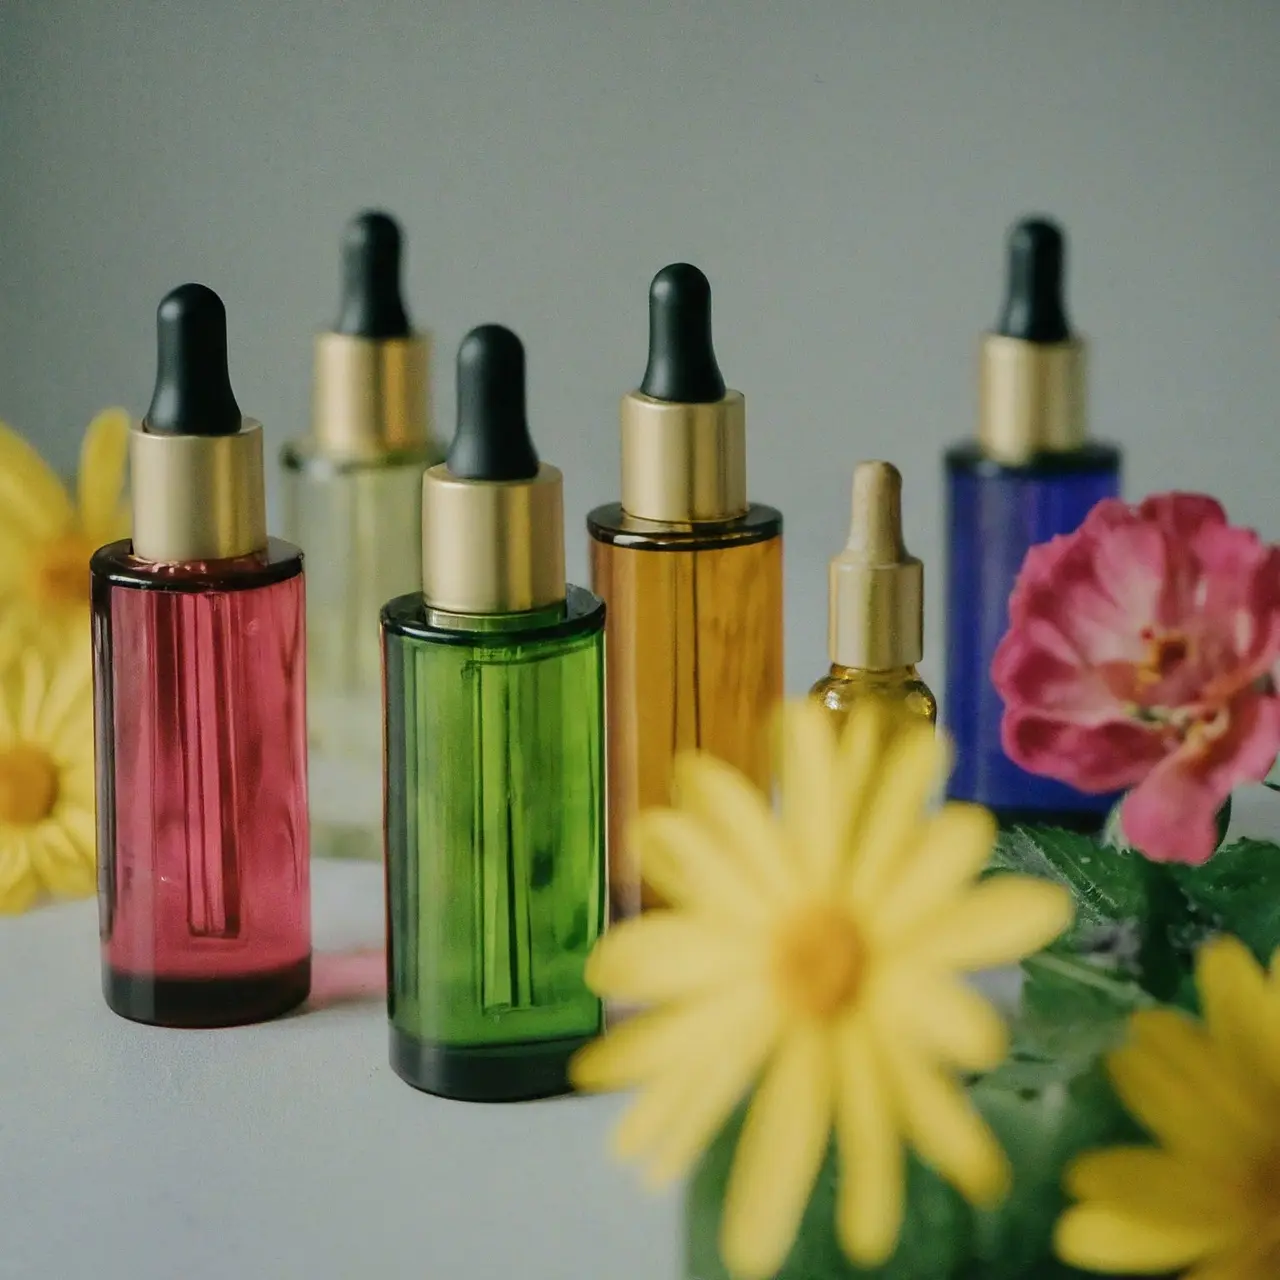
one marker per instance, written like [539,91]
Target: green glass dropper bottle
[494,764]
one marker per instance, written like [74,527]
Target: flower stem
[1088,975]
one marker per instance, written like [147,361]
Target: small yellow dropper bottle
[876,609]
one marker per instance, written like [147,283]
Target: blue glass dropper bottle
[1031,474]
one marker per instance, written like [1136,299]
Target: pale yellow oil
[842,688]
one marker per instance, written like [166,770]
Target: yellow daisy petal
[79,823]
[1168,1105]
[943,1017]
[911,771]
[76,784]
[689,867]
[1233,994]
[34,506]
[859,754]
[725,801]
[780,1152]
[1182,1045]
[104,454]
[1257,1258]
[996,922]
[954,846]
[807,783]
[1155,1186]
[943,1126]
[30,695]
[8,686]
[678,1114]
[1103,1238]
[18,883]
[67,746]
[654,1042]
[1238,1265]
[666,954]
[65,711]
[871,1186]
[62,866]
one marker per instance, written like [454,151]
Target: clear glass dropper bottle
[353,501]
[875,606]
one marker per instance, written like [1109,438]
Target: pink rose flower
[1140,654]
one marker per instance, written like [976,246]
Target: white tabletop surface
[289,1151]
[285,1151]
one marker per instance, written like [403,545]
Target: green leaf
[1073,1009]
[1106,883]
[1237,891]
[1041,1130]
[936,1245]
[1048,1102]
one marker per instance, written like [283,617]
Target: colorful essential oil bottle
[353,499]
[692,575]
[199,676]
[875,623]
[494,764]
[1031,475]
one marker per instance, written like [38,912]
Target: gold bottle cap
[370,388]
[876,588]
[1031,379]
[684,435]
[196,464]
[684,463]
[369,395]
[492,515]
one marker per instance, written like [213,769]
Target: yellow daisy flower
[47,835]
[818,956]
[46,539]
[1207,1199]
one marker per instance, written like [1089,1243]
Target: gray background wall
[843,171]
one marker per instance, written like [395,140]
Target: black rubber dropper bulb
[682,359]
[1034,309]
[193,395]
[372,306]
[492,441]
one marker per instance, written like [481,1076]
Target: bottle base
[488,1073]
[1082,821]
[206,1002]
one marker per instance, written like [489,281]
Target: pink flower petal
[1144,619]
[1170,815]
[1182,515]
[1030,667]
[1091,758]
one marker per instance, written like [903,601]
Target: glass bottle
[494,765]
[1031,475]
[876,606]
[692,576]
[200,718]
[351,490]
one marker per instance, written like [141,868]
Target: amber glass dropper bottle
[691,572]
[876,606]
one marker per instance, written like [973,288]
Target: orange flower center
[821,960]
[60,571]
[28,785]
